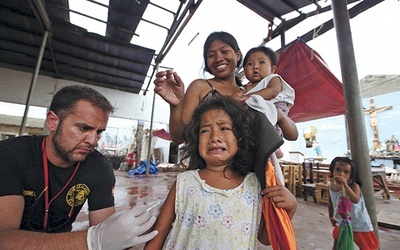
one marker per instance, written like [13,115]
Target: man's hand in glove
[122,230]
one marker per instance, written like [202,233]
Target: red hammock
[318,93]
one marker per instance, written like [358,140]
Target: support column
[355,116]
[33,82]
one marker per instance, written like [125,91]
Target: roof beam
[173,34]
[328,25]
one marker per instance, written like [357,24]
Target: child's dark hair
[242,121]
[267,51]
[344,161]
[226,38]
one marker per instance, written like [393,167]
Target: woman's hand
[242,98]
[170,87]
[238,94]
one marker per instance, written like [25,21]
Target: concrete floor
[311,223]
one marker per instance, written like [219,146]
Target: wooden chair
[308,175]
[287,176]
[322,193]
[298,180]
[309,189]
[292,175]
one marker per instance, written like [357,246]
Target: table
[316,159]
[324,173]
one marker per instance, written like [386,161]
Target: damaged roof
[71,53]
[374,85]
[111,61]
[286,14]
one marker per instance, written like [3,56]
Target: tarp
[319,94]
[161,133]
[141,169]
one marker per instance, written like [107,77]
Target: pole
[151,130]
[33,83]
[355,116]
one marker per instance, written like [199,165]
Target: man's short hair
[65,99]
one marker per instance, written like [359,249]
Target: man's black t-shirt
[21,173]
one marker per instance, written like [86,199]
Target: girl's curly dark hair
[242,127]
[344,161]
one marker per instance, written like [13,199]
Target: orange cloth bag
[279,226]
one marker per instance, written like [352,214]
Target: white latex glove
[122,230]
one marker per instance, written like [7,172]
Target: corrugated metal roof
[374,85]
[276,12]
[74,53]
[112,61]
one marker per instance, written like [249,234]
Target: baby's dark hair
[226,38]
[344,161]
[267,51]
[242,121]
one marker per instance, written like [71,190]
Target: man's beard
[62,152]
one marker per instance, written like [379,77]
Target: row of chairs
[302,182]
